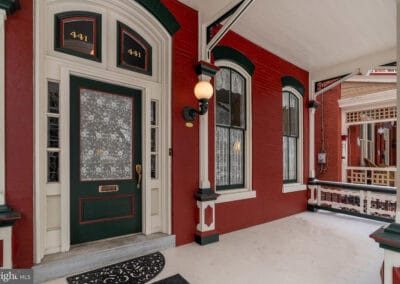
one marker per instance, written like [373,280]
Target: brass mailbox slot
[108,188]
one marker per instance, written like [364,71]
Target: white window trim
[247,192]
[2,107]
[299,186]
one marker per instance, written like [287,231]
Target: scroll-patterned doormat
[174,279]
[135,271]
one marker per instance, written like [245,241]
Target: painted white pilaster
[2,108]
[312,141]
[6,236]
[204,182]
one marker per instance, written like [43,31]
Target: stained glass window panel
[105,136]
[222,155]
[153,166]
[236,153]
[52,135]
[52,166]
[53,97]
[153,139]
[153,112]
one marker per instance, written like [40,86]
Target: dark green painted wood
[330,80]
[388,237]
[110,208]
[289,81]
[120,225]
[163,15]
[207,239]
[364,187]
[60,16]
[10,6]
[377,218]
[221,52]
[204,68]
[391,64]
[7,216]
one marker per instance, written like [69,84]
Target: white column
[204,183]
[397,220]
[2,108]
[312,141]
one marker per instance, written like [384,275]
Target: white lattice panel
[371,114]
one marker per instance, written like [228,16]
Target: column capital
[206,70]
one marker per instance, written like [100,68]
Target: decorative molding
[205,68]
[161,12]
[289,81]
[228,53]
[10,6]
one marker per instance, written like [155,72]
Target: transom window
[230,129]
[290,113]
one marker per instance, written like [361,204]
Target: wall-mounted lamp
[203,91]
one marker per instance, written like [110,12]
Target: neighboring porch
[305,248]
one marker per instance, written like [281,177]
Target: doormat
[175,279]
[136,271]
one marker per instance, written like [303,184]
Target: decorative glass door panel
[106,124]
[105,160]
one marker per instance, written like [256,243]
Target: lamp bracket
[189,113]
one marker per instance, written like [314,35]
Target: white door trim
[56,66]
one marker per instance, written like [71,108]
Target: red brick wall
[331,133]
[270,203]
[19,128]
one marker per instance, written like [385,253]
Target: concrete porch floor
[318,248]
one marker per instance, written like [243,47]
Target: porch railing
[371,175]
[369,201]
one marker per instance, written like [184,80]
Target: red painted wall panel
[185,141]
[270,203]
[330,134]
[19,128]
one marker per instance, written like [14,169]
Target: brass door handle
[139,174]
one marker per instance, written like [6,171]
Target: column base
[206,238]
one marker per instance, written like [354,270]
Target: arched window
[292,140]
[230,129]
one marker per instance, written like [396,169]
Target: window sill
[235,195]
[293,187]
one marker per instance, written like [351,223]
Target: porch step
[89,256]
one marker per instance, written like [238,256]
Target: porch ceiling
[325,37]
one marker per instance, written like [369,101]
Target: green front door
[105,160]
